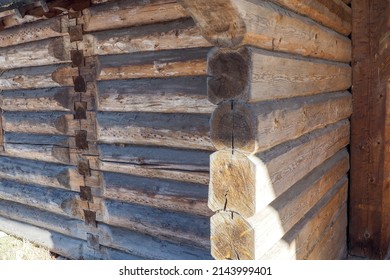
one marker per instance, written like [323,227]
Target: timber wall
[279,179]
[105,131]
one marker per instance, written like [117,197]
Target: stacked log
[280,82]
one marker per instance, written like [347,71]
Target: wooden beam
[369,214]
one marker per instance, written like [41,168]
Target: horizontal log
[150,247]
[169,36]
[247,184]
[40,173]
[47,99]
[332,13]
[162,194]
[156,162]
[262,24]
[251,128]
[171,226]
[288,209]
[53,200]
[234,237]
[305,235]
[49,28]
[131,13]
[45,52]
[333,245]
[36,77]
[54,123]
[347,1]
[256,75]
[168,95]
[36,139]
[168,130]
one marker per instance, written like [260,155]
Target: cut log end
[229,72]
[233,126]
[232,183]
[59,48]
[232,238]
[219,21]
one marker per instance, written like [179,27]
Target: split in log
[188,131]
[40,173]
[40,30]
[330,13]
[45,52]
[251,128]
[167,95]
[181,34]
[307,233]
[233,237]
[131,13]
[178,227]
[262,24]
[190,166]
[247,184]
[161,193]
[256,75]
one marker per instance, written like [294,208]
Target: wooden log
[333,14]
[168,225]
[156,162]
[188,131]
[256,75]
[35,77]
[305,235]
[131,13]
[40,173]
[234,237]
[49,199]
[169,36]
[168,95]
[246,184]
[161,193]
[333,245]
[48,99]
[347,1]
[49,28]
[150,247]
[53,123]
[262,24]
[251,128]
[50,51]
[288,209]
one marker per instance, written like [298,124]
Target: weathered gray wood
[34,77]
[54,27]
[263,24]
[256,75]
[41,173]
[57,123]
[131,13]
[150,247]
[173,226]
[247,184]
[176,35]
[305,235]
[47,99]
[58,201]
[156,162]
[49,51]
[161,193]
[251,128]
[330,13]
[163,64]
[234,237]
[168,95]
[169,130]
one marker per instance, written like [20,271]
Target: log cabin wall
[280,76]
[105,130]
